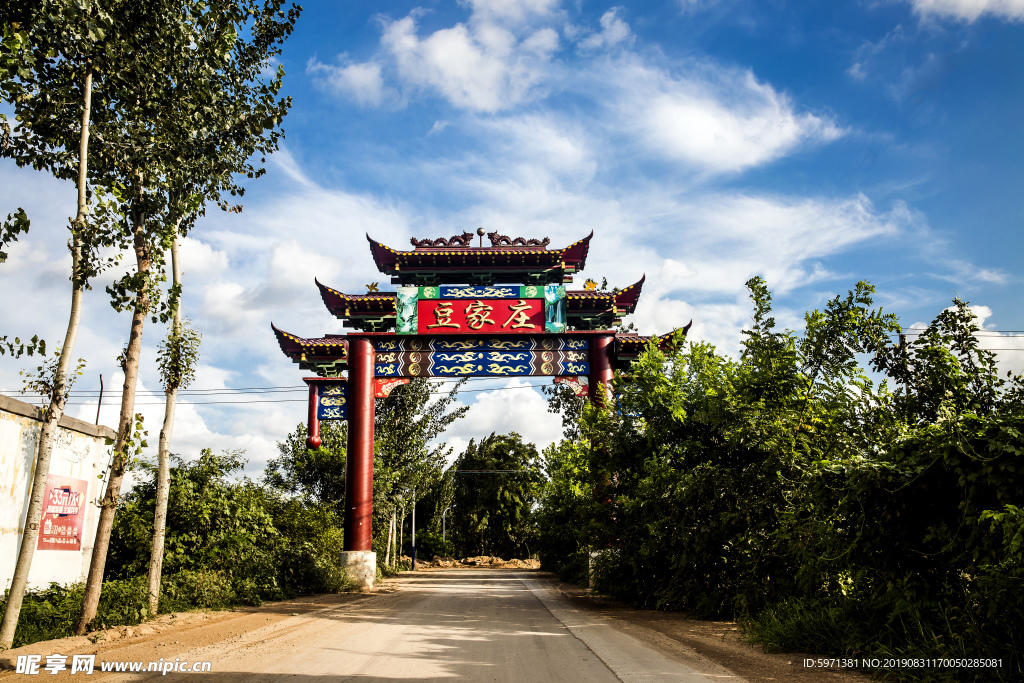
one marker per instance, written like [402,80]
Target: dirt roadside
[174,635]
[719,641]
[170,635]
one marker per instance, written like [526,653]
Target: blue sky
[704,141]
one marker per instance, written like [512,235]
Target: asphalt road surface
[472,625]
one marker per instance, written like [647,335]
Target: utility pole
[414,531]
[99,404]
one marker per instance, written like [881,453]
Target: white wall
[80,452]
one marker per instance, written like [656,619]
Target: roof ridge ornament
[505,241]
[463,240]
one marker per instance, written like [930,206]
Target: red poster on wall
[63,514]
[480,316]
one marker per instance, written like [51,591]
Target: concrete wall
[81,452]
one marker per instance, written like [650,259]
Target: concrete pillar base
[360,566]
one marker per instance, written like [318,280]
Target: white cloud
[613,32]
[511,11]
[541,143]
[712,118]
[511,408]
[480,66]
[362,82]
[971,10]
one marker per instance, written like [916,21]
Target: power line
[286,400]
[436,381]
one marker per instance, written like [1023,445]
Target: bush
[429,543]
[51,613]
[47,613]
[839,517]
[189,589]
[228,542]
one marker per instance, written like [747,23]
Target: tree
[216,524]
[48,57]
[315,476]
[194,91]
[405,463]
[406,467]
[178,357]
[495,510]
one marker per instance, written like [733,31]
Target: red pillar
[313,428]
[601,373]
[359,460]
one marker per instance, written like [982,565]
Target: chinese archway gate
[459,311]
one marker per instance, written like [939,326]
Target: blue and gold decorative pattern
[505,357]
[483,363]
[386,345]
[442,369]
[332,400]
[571,368]
[504,369]
[498,292]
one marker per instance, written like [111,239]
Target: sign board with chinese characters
[484,310]
[63,513]
[484,316]
[332,400]
[480,356]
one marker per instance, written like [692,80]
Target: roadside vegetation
[853,491]
[230,541]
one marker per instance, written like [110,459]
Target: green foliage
[181,111]
[406,467]
[178,356]
[50,613]
[16,223]
[840,516]
[494,513]
[133,444]
[44,380]
[316,476]
[212,523]
[429,543]
[18,348]
[189,589]
[228,541]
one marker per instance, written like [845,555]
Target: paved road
[472,625]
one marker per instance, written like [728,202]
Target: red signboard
[480,316]
[63,514]
[384,386]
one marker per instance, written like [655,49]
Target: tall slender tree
[405,461]
[197,110]
[179,355]
[49,56]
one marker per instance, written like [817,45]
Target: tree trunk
[94,582]
[55,411]
[391,535]
[401,533]
[163,476]
[394,537]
